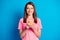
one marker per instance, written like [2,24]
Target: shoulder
[21,20]
[38,19]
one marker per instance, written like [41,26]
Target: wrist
[25,28]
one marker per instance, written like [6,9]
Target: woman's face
[30,9]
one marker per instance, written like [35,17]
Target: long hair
[26,15]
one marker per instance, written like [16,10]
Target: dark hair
[25,13]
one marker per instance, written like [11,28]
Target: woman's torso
[30,35]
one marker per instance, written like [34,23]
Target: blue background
[12,10]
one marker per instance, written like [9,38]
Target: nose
[29,10]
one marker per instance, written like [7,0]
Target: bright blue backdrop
[12,10]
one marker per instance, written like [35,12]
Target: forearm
[36,33]
[24,31]
[22,34]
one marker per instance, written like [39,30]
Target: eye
[27,8]
[31,8]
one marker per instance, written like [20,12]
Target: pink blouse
[29,35]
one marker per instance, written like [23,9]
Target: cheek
[27,10]
[32,10]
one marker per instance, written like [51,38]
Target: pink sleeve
[20,25]
[38,24]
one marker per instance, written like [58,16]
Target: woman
[30,26]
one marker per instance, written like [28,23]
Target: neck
[30,16]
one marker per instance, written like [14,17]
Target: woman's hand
[31,25]
[26,27]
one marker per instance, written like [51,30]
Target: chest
[24,24]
